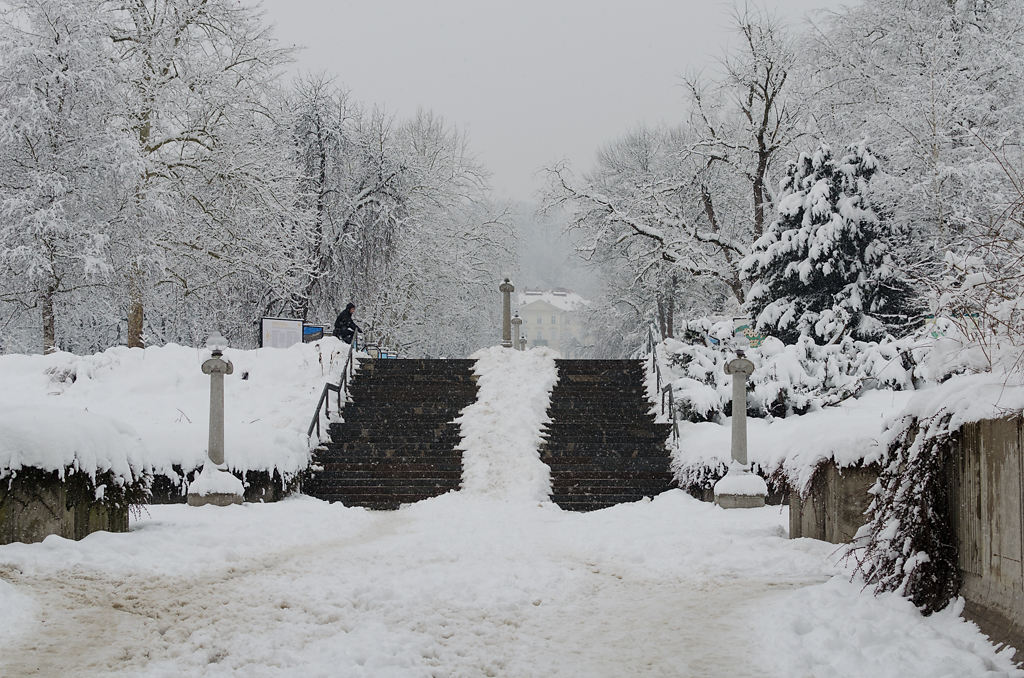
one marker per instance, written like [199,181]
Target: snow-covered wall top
[566,300]
[133,410]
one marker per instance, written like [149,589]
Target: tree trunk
[661,317]
[49,325]
[759,176]
[671,310]
[135,309]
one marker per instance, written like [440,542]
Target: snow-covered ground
[462,585]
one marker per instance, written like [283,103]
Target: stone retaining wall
[987,510]
[986,481]
[36,505]
[833,508]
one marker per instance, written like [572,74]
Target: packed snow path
[461,586]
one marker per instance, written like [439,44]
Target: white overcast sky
[532,81]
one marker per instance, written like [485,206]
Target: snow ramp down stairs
[398,442]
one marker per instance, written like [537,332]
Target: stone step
[338,484]
[379,502]
[383,503]
[620,465]
[392,456]
[585,504]
[607,458]
[575,474]
[450,395]
[415,465]
[642,428]
[609,485]
[608,445]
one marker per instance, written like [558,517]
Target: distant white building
[555,318]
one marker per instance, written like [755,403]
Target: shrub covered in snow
[808,403]
[789,379]
[825,267]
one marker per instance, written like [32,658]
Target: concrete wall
[986,478]
[986,495]
[32,509]
[833,509]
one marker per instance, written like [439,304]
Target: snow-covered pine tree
[825,268]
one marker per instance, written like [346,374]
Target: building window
[554,319]
[540,320]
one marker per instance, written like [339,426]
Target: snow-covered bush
[908,544]
[825,267]
[790,379]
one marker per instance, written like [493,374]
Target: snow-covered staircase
[602,443]
[397,444]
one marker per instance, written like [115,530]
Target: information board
[280,332]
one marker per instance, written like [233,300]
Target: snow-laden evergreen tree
[825,267]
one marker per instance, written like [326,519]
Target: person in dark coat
[344,327]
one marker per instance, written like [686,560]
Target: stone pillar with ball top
[506,288]
[740,488]
[214,484]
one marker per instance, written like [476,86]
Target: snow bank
[501,431]
[849,434]
[56,438]
[838,629]
[130,409]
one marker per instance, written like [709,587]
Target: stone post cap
[218,365]
[506,286]
[516,320]
[739,366]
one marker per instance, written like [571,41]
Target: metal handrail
[666,390]
[324,403]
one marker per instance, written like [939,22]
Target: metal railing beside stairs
[665,390]
[341,389]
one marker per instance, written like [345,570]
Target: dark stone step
[395,496]
[617,475]
[414,444]
[390,466]
[598,445]
[609,487]
[604,455]
[339,485]
[618,464]
[627,427]
[603,500]
[345,477]
[392,456]
[383,502]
